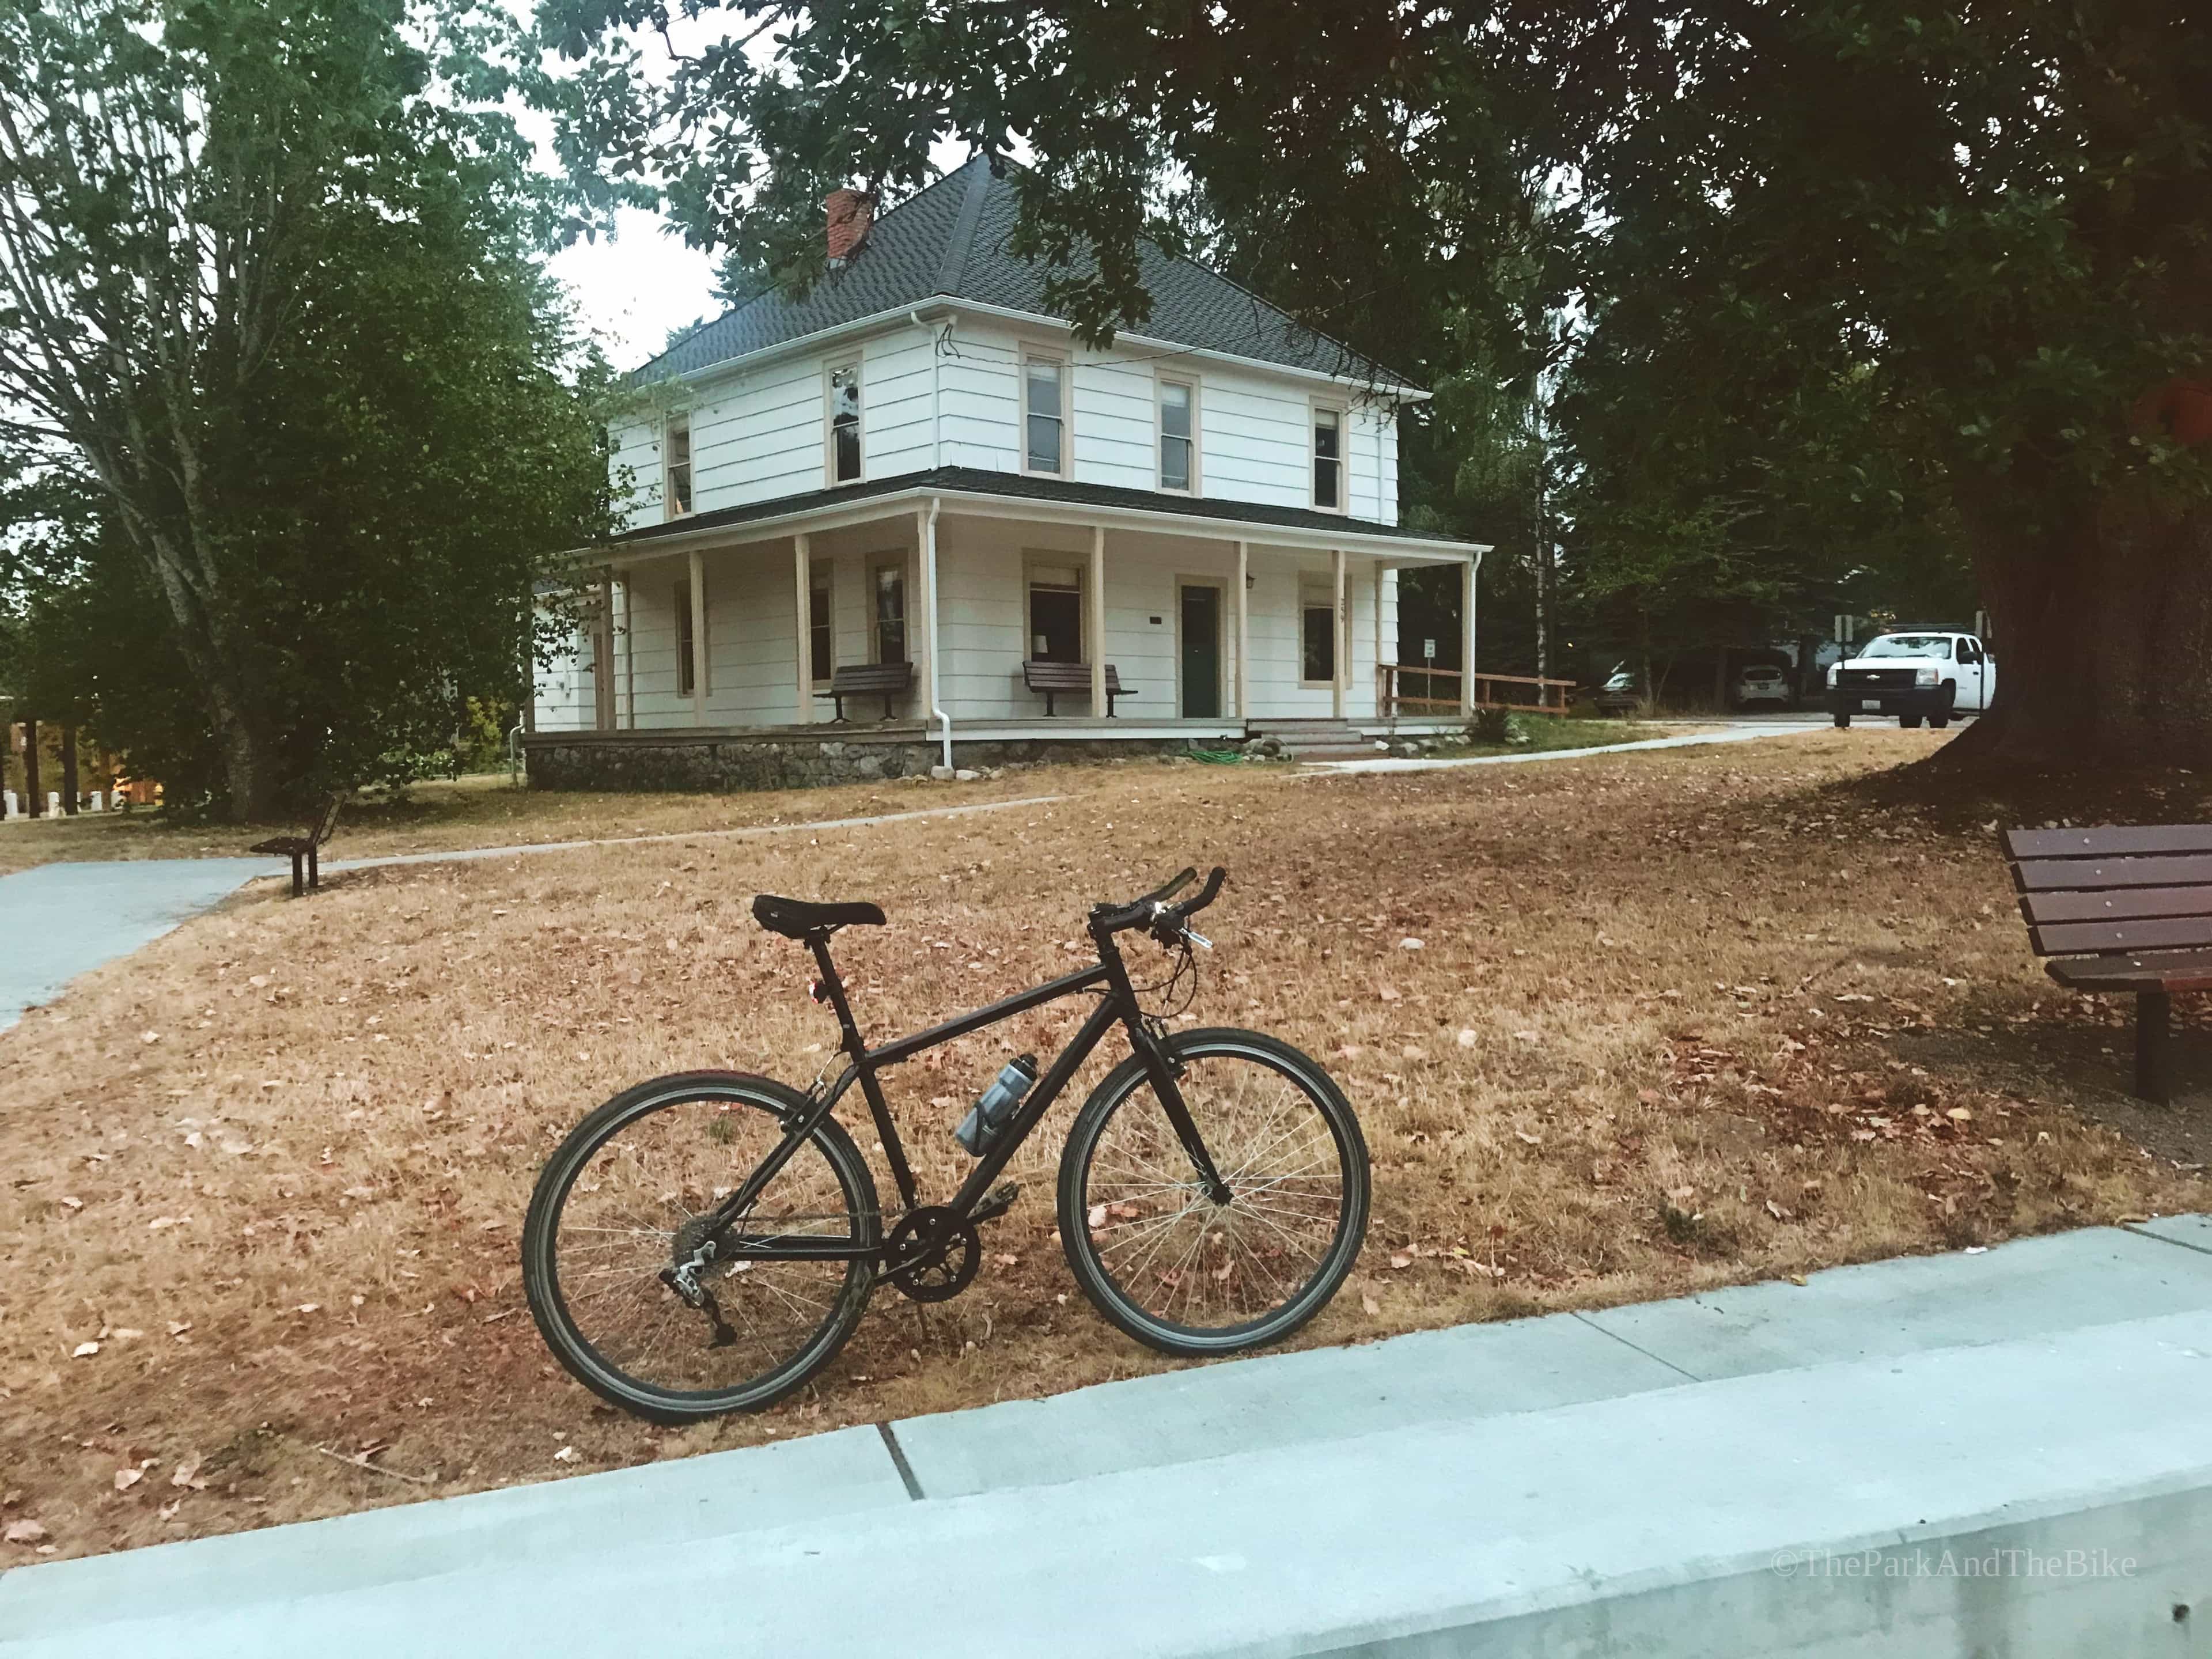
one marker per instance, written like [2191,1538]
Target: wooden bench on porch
[2123,907]
[1053,677]
[869,679]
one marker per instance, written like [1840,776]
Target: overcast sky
[632,290]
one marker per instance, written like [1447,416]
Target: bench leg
[315,869]
[2154,1046]
[297,887]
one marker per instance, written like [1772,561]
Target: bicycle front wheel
[624,1200]
[1150,1246]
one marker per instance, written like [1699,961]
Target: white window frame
[682,600]
[1035,559]
[821,574]
[830,370]
[1063,361]
[1161,382]
[1319,594]
[899,561]
[669,427]
[1316,408]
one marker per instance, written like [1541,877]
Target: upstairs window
[678,451]
[1329,459]
[845,423]
[1178,430]
[1044,415]
[891,610]
[821,637]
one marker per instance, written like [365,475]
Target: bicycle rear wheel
[1156,1255]
[624,1199]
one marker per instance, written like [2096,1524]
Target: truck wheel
[1938,722]
[1843,722]
[1908,722]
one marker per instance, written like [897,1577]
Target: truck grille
[1873,680]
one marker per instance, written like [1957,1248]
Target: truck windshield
[1910,644]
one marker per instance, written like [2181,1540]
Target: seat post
[834,989]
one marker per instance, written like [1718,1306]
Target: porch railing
[1416,689]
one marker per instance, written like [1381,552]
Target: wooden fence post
[68,770]
[34,800]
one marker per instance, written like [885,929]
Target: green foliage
[1501,725]
[277,322]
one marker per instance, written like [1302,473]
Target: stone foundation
[721,765]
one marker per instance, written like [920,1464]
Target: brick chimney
[850,214]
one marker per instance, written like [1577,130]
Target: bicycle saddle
[796,918]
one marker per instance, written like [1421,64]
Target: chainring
[932,1275]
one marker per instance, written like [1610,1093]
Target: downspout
[929,591]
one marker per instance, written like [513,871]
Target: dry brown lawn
[265,1178]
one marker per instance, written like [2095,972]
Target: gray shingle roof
[950,240]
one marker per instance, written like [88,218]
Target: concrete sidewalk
[2007,1453]
[64,920]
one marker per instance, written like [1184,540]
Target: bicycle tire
[1114,1289]
[811,1348]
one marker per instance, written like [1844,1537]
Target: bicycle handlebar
[1152,912]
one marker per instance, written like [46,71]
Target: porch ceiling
[975,493]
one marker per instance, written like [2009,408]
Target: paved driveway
[63,920]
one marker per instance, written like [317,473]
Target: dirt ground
[1673,1019]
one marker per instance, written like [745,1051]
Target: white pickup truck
[1915,674]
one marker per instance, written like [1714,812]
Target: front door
[1202,652]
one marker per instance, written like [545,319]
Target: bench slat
[2182,970]
[2117,904]
[2157,933]
[2109,841]
[2094,875]
[873,676]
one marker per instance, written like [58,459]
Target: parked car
[1915,674]
[1761,683]
[1619,695]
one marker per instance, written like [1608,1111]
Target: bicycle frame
[1118,1006]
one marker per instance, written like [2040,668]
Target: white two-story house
[909,520]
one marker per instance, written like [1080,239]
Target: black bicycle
[705,1243]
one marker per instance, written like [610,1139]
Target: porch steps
[1318,739]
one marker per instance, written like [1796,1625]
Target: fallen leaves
[25,1531]
[84,1351]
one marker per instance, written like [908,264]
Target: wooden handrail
[1486,696]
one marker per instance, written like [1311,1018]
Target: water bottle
[995,1105]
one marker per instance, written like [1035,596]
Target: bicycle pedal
[995,1203]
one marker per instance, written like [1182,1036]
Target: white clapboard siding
[756,433]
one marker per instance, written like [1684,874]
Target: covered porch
[960,616]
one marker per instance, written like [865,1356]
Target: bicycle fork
[1165,1074]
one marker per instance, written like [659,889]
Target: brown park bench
[301,850]
[869,679]
[1053,677]
[2122,909]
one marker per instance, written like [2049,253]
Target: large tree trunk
[2103,632]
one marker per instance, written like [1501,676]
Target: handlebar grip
[1206,894]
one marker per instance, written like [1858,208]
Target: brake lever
[1197,938]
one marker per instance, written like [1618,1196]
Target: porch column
[1098,649]
[1343,652]
[1382,585]
[698,638]
[1243,630]
[921,629]
[802,570]
[1466,639]
[630,648]
[603,656]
